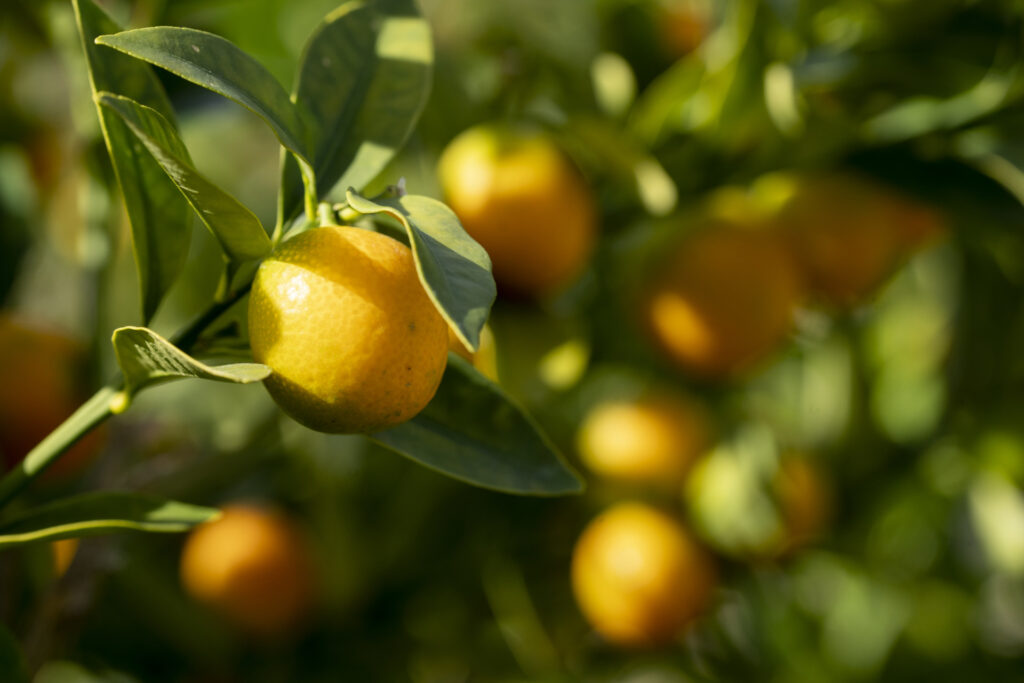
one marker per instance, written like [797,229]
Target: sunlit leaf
[237,229]
[454,269]
[147,358]
[99,513]
[364,79]
[219,65]
[159,217]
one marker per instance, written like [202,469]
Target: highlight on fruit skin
[42,386]
[651,440]
[639,578]
[252,566]
[848,233]
[724,299]
[341,318]
[526,204]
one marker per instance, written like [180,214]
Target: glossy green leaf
[159,217]
[454,269]
[12,662]
[102,512]
[219,65]
[239,232]
[471,431]
[364,79]
[147,358]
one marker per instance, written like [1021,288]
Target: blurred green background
[908,401]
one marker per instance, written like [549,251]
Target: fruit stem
[326,214]
[109,400]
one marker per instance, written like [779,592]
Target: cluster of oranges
[726,295]
[717,302]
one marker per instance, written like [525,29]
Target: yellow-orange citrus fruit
[40,389]
[683,25]
[638,576]
[724,301]
[63,553]
[652,440]
[354,342]
[805,501]
[524,202]
[486,357]
[849,234]
[252,565]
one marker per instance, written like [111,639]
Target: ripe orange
[41,387]
[524,202]
[64,552]
[849,234]
[653,440]
[683,25]
[805,501]
[354,342]
[252,565]
[724,300]
[638,576]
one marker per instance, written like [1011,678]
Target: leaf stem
[89,415]
[108,401]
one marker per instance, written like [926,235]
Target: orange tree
[350,323]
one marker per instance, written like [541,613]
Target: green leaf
[102,512]
[239,232]
[473,432]
[12,662]
[160,221]
[364,79]
[147,358]
[219,65]
[454,269]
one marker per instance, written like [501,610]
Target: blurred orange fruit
[683,25]
[639,577]
[353,340]
[849,234]
[805,501]
[652,440]
[252,565]
[486,357]
[41,388]
[63,554]
[518,195]
[724,300]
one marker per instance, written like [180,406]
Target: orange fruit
[41,387]
[353,340]
[805,501]
[652,440]
[518,196]
[252,565]
[639,577]
[724,300]
[64,552]
[849,234]
[683,25]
